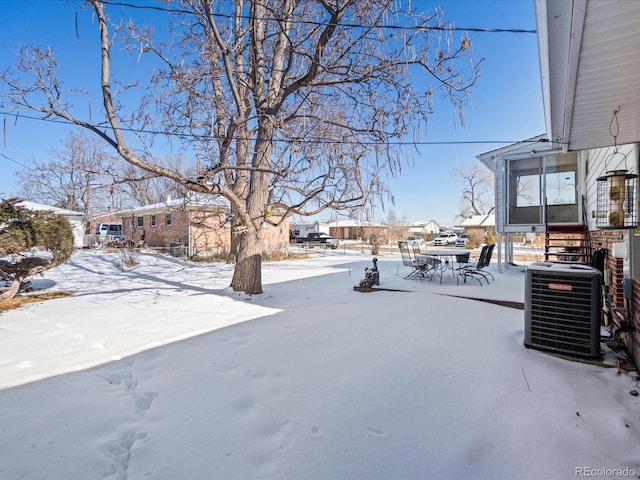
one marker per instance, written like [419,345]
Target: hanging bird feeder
[616,200]
[616,190]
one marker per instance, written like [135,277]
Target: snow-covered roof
[419,223]
[352,223]
[480,221]
[173,203]
[40,207]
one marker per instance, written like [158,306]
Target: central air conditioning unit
[562,308]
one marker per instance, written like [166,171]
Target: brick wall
[207,236]
[606,239]
[206,232]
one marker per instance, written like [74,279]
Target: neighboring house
[76,219]
[427,228]
[357,230]
[195,228]
[477,227]
[365,230]
[582,173]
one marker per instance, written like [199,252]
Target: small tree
[30,243]
[477,190]
[74,177]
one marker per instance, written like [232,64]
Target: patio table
[446,260]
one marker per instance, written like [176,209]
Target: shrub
[30,243]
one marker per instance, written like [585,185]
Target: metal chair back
[406,255]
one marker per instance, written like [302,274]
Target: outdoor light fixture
[616,191]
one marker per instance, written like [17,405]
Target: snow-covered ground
[160,371]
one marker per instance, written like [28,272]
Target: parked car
[445,238]
[323,240]
[104,230]
[415,240]
[462,240]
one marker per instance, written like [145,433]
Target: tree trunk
[247,276]
[236,237]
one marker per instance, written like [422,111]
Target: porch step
[567,244]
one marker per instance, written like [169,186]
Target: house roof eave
[589,71]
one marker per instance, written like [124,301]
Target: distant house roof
[48,208]
[425,226]
[352,223]
[171,204]
[304,224]
[418,223]
[480,221]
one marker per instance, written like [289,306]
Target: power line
[13,160]
[315,23]
[299,141]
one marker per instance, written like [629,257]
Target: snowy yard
[162,372]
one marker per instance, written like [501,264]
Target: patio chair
[418,268]
[477,271]
[480,269]
[433,267]
[463,260]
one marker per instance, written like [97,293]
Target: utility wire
[299,141]
[12,160]
[310,22]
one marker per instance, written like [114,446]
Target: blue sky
[506,103]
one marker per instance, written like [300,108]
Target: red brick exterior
[201,231]
[606,239]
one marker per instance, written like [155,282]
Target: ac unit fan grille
[560,314]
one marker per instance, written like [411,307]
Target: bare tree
[397,224]
[293,107]
[477,190]
[74,177]
[83,176]
[145,188]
